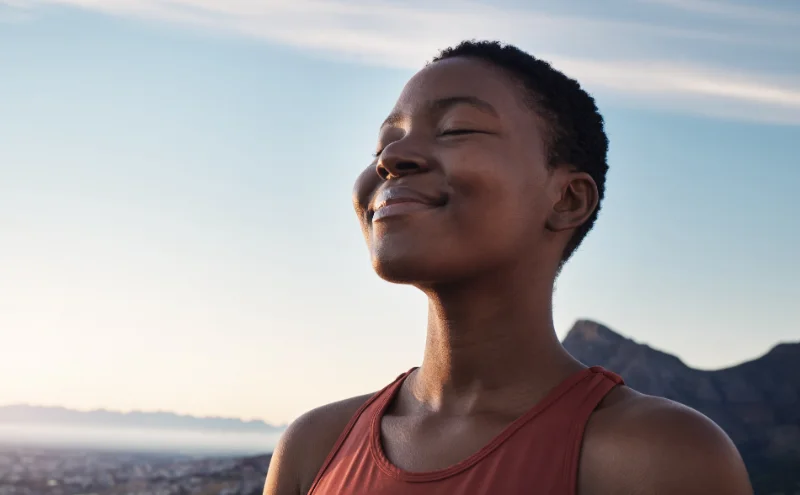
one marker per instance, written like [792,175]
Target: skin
[485,246]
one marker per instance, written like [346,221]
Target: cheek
[493,201]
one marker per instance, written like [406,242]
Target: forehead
[464,77]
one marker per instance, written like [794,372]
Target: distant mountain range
[136,419]
[757,403]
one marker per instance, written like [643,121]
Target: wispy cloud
[14,11]
[694,89]
[730,10]
[405,35]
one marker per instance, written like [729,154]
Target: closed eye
[457,132]
[449,132]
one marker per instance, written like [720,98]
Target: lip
[401,200]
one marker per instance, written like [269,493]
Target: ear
[576,199]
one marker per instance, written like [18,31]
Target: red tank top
[536,454]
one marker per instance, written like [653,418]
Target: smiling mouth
[396,203]
[400,207]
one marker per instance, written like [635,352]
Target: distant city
[64,472]
[57,451]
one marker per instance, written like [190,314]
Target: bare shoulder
[640,444]
[305,445]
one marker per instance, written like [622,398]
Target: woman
[489,172]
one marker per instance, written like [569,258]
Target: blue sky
[175,182]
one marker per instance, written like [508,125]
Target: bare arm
[283,476]
[658,447]
[305,445]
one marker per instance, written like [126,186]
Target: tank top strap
[593,391]
[387,391]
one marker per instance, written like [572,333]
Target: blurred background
[182,274]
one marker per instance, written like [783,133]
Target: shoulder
[635,443]
[305,445]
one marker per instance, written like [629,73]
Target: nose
[397,160]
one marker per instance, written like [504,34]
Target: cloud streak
[384,33]
[729,10]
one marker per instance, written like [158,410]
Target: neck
[490,337]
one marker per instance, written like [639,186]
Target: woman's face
[460,185]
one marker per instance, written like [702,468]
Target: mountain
[135,419]
[757,403]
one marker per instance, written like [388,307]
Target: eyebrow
[443,104]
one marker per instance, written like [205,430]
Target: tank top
[538,453]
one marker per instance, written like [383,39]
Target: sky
[176,231]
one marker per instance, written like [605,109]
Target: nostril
[388,169]
[406,166]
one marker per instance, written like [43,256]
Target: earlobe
[577,201]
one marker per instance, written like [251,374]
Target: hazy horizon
[185,442]
[175,190]
[270,424]
[177,416]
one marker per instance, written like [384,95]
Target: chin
[400,272]
[418,270]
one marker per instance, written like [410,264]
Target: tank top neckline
[385,465]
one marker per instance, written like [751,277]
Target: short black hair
[575,127]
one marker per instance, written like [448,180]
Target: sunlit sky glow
[175,189]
